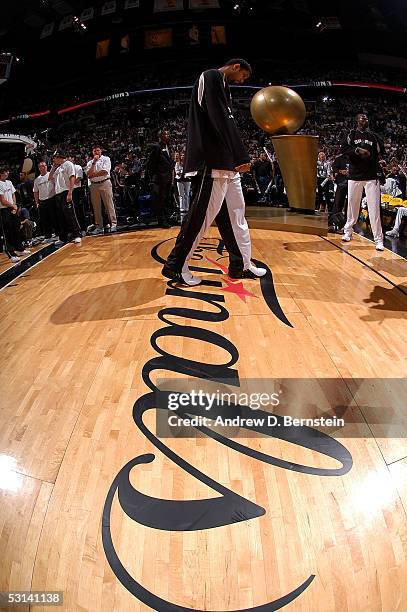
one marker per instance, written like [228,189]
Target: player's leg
[355,190]
[207,201]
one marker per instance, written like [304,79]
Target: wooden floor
[6,264]
[75,336]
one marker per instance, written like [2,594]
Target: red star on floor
[233,286]
[238,289]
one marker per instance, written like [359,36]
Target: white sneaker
[257,271]
[379,246]
[392,233]
[77,240]
[14,259]
[113,228]
[96,231]
[25,252]
[346,238]
[188,278]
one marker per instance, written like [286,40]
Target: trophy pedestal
[297,156]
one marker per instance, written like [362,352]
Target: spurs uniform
[363,173]
[214,150]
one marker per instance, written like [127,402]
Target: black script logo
[229,507]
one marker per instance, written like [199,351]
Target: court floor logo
[229,507]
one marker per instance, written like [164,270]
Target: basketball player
[363,148]
[215,156]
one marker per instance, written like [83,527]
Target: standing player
[215,156]
[363,148]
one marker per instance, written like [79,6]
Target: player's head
[164,136]
[362,121]
[237,70]
[321,156]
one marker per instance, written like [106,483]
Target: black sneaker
[252,272]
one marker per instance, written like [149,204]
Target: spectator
[44,194]
[26,225]
[263,175]
[63,175]
[324,173]
[160,169]
[399,177]
[98,172]
[13,245]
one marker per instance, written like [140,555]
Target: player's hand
[363,152]
[243,168]
[69,197]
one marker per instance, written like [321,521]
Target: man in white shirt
[44,194]
[63,175]
[13,246]
[98,172]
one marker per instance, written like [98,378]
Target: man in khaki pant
[98,172]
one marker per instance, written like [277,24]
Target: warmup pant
[48,216]
[67,221]
[79,207]
[339,205]
[402,212]
[11,232]
[161,191]
[372,189]
[102,192]
[184,188]
[220,199]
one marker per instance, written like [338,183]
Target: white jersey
[7,190]
[44,187]
[62,175]
[78,174]
[103,163]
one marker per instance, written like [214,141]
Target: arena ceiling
[259,29]
[22,20]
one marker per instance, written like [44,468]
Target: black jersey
[363,168]
[213,140]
